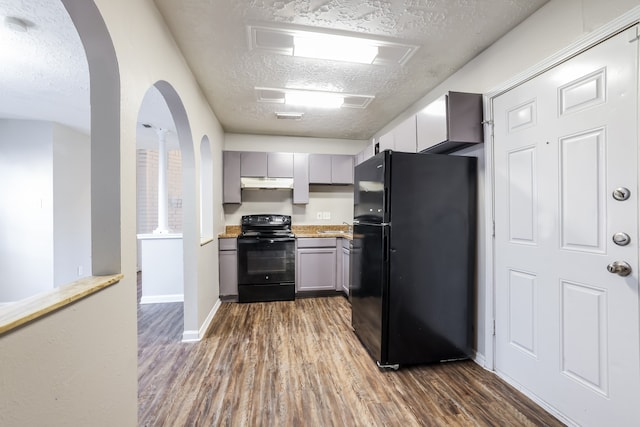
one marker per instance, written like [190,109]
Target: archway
[104,97]
[159,211]
[163,115]
[48,202]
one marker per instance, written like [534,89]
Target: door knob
[621,268]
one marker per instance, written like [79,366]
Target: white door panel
[568,330]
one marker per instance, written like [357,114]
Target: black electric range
[266,258]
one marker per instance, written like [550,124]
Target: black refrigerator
[413,257]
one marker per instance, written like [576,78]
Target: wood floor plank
[298,363]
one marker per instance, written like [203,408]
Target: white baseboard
[479,359]
[161,299]
[540,402]
[194,336]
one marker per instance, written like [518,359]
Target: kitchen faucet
[350,230]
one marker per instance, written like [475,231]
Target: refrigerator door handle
[385,244]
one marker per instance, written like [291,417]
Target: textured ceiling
[44,74]
[213,37]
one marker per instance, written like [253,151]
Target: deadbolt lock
[621,194]
[621,239]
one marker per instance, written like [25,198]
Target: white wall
[550,30]
[78,366]
[71,368]
[46,209]
[153,58]
[26,220]
[71,205]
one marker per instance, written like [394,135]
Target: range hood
[251,183]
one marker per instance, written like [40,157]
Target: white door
[567,329]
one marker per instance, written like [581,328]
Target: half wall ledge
[21,312]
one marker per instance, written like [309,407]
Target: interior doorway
[159,212]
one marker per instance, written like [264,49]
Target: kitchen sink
[332,232]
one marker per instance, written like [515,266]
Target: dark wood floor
[300,364]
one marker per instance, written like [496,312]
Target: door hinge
[635,37]
[494,327]
[493,230]
[490,123]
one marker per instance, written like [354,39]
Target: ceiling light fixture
[289,116]
[328,44]
[314,99]
[336,48]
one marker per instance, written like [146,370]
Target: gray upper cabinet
[341,169]
[330,169]
[253,164]
[272,165]
[405,135]
[280,165]
[366,153]
[452,122]
[386,141]
[304,168]
[300,178]
[319,168]
[231,177]
[401,138]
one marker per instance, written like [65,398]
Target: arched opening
[48,133]
[159,212]
[169,235]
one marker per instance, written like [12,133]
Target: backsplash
[332,203]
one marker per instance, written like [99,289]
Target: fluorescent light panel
[314,99]
[336,48]
[328,44]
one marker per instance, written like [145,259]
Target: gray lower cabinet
[228,266]
[316,264]
[344,270]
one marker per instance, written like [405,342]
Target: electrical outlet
[326,215]
[80,271]
[319,215]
